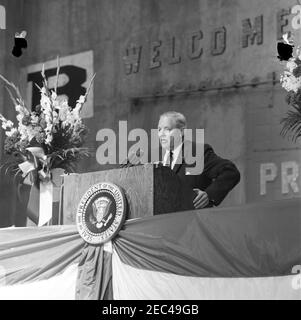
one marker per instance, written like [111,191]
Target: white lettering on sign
[289,175]
[268,172]
[296,20]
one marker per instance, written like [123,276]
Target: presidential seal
[101,213]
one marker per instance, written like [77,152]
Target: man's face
[169,135]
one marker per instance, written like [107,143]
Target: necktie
[170,158]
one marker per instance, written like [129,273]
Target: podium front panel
[136,182]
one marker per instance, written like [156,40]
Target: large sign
[174,49]
[75,73]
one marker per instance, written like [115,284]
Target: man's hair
[178,117]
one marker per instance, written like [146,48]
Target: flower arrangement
[290,80]
[50,136]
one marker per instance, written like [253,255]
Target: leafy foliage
[291,81]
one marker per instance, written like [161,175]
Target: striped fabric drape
[232,253]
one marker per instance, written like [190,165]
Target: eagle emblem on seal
[101,209]
[101,212]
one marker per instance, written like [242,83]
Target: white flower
[76,111]
[63,112]
[49,127]
[34,119]
[32,132]
[53,95]
[290,82]
[56,104]
[45,103]
[7,124]
[291,65]
[10,123]
[81,99]
[19,118]
[23,132]
[64,104]
[11,132]
[55,117]
[21,110]
[48,139]
[48,120]
[286,39]
[18,108]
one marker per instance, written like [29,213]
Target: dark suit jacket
[218,177]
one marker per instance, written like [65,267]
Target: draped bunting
[39,263]
[228,253]
[94,280]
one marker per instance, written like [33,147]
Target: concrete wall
[178,47]
[10,68]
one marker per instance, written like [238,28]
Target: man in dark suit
[218,176]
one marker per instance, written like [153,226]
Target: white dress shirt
[175,155]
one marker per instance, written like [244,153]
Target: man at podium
[218,176]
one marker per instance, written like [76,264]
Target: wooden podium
[149,189]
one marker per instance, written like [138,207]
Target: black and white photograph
[150,150]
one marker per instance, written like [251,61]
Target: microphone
[133,159]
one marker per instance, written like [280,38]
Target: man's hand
[201,200]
